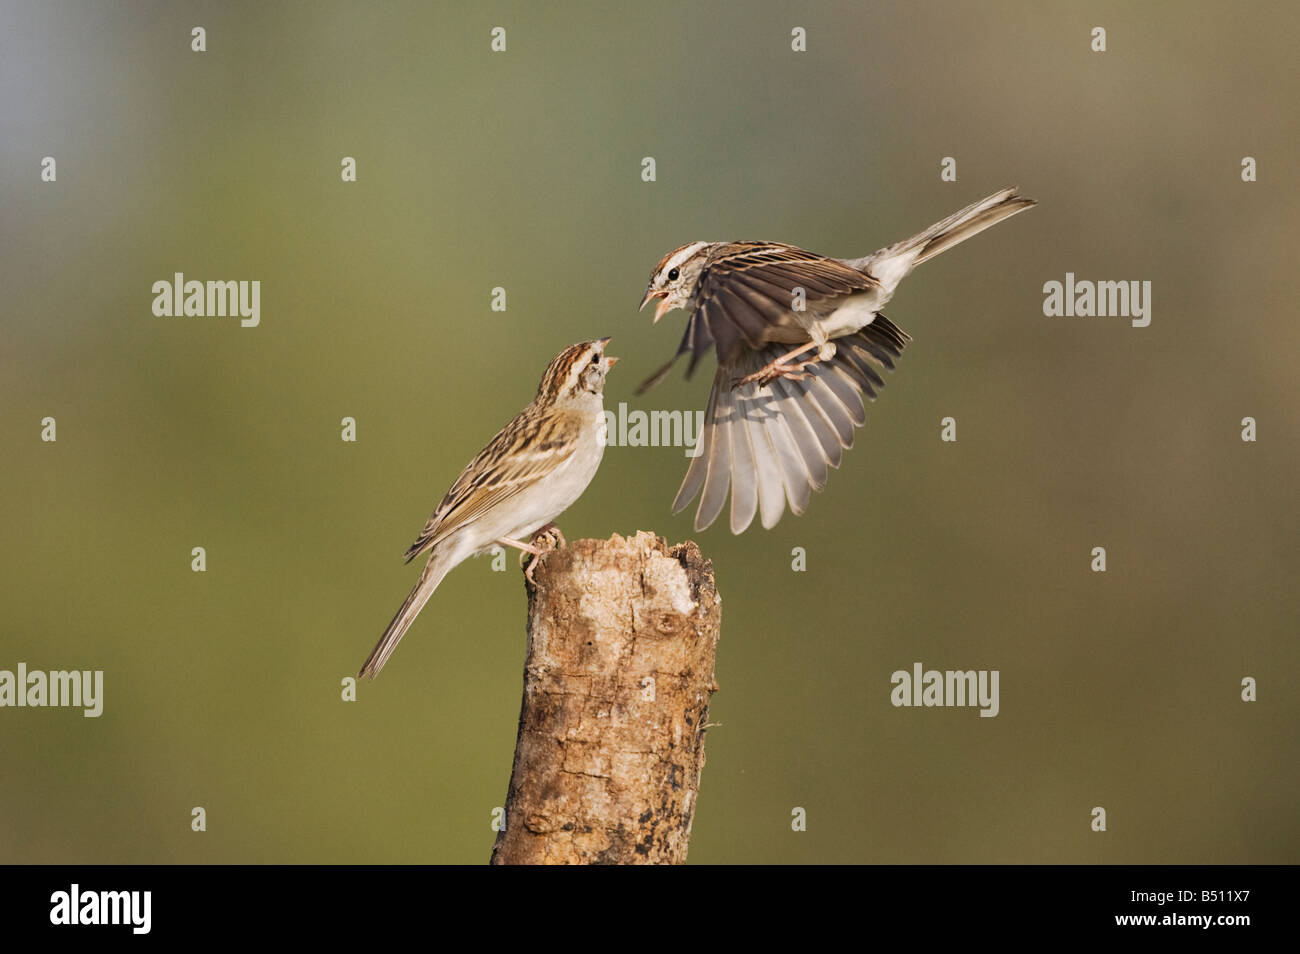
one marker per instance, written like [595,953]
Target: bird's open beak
[608,357]
[663,305]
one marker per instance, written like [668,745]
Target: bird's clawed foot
[531,552]
[552,533]
[775,370]
[786,366]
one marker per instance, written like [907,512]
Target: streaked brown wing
[746,292]
[777,444]
[501,470]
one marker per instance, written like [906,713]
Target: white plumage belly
[855,312]
[543,502]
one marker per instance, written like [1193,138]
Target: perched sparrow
[529,474]
[798,337]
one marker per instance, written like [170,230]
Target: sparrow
[529,474]
[799,339]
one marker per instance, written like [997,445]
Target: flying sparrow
[529,474]
[798,337]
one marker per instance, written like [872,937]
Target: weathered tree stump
[622,636]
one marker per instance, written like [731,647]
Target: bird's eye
[672,274]
[594,357]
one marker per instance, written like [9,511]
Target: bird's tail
[439,565]
[890,265]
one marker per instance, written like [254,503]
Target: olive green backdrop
[522,169]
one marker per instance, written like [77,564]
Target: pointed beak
[609,358]
[663,305]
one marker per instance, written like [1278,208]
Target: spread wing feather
[774,445]
[746,290]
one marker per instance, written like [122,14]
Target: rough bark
[622,635]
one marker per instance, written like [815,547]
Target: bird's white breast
[545,500]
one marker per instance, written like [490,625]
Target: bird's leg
[782,368]
[518,545]
[548,532]
[524,548]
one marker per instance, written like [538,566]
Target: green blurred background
[522,170]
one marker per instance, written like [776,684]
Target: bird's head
[674,279]
[577,373]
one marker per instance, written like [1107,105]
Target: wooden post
[622,636]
